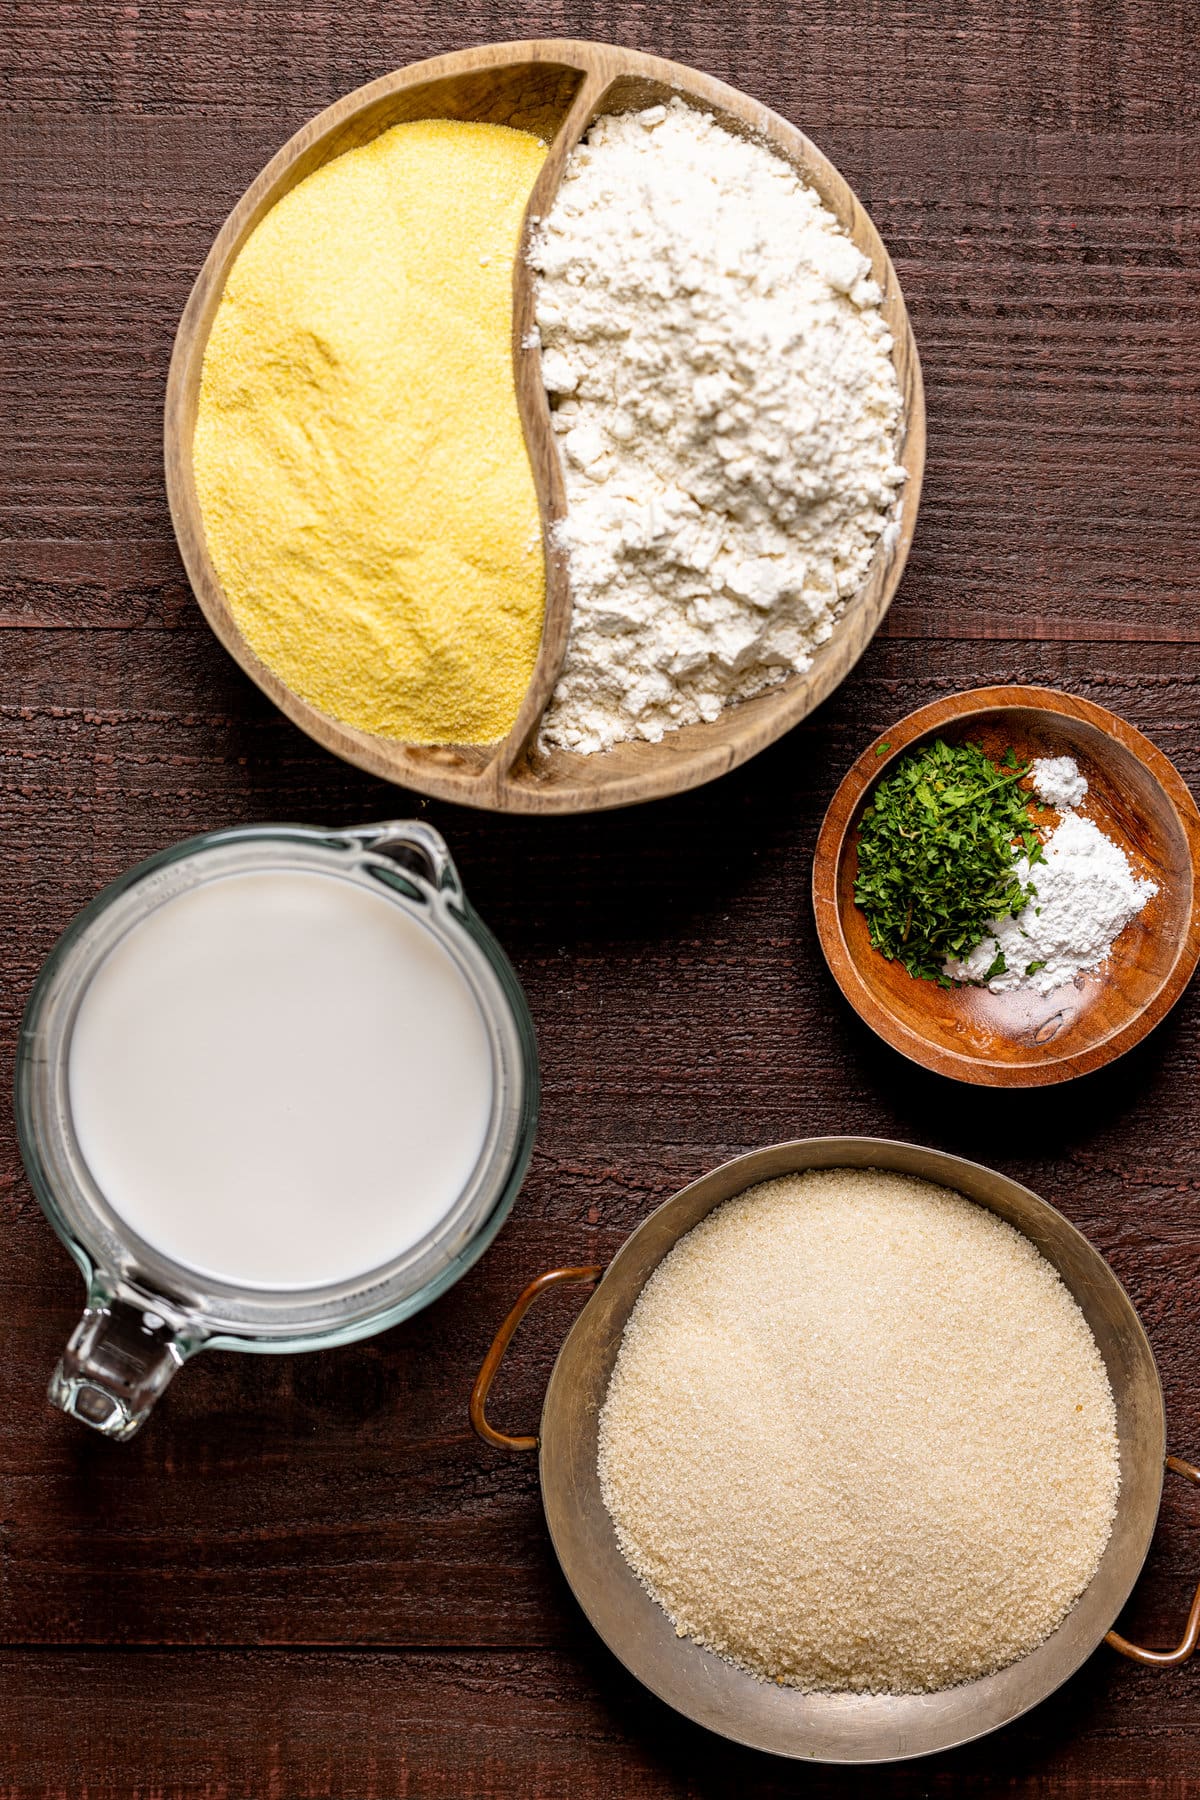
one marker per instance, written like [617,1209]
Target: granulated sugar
[859,1437]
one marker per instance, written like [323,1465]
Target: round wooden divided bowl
[554,87]
[1020,1038]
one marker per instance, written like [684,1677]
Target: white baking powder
[727,409]
[1057,781]
[1086,895]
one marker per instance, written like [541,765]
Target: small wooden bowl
[1023,1039]
[554,87]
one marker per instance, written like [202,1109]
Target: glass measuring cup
[146,1314]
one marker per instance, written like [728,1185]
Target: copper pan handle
[1167,1659]
[494,1357]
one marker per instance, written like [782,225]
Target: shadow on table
[1071,1736]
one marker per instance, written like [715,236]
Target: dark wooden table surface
[307,1578]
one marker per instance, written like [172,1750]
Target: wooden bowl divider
[555,87]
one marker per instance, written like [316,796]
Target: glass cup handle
[416,846]
[119,1358]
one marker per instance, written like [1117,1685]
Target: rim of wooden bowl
[833,843]
[503,777]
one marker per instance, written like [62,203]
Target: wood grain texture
[526,1725]
[1034,171]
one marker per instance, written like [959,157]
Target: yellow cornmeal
[360,463]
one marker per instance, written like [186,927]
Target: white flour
[727,410]
[1086,895]
[1058,782]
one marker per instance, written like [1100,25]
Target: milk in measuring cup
[280,1079]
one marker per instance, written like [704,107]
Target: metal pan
[849,1728]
